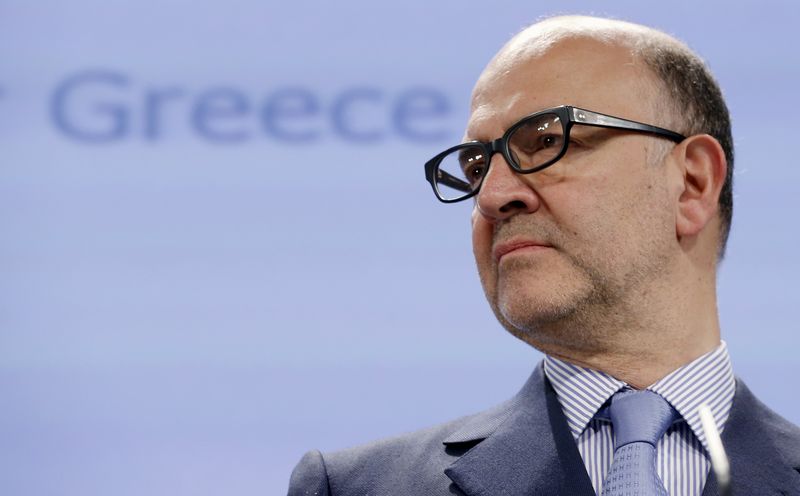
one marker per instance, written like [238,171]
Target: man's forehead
[575,69]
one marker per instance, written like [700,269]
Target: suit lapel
[524,447]
[530,450]
[762,448]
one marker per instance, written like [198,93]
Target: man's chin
[534,316]
[541,322]
[529,299]
[544,332]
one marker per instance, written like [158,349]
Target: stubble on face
[570,297]
[549,298]
[608,216]
[609,246]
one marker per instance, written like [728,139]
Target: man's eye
[539,143]
[473,172]
[550,140]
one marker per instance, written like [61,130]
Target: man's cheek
[474,219]
[482,244]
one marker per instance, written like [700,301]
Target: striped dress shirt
[681,455]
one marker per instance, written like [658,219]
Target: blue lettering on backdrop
[417,106]
[284,115]
[117,119]
[341,111]
[154,100]
[216,105]
[101,106]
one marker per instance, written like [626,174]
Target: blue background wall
[218,250]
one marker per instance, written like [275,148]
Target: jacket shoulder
[785,436]
[755,430]
[310,477]
[412,463]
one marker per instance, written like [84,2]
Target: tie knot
[639,416]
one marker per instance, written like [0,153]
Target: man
[599,158]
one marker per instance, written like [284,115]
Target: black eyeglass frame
[569,116]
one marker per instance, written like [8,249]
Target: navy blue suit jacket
[524,447]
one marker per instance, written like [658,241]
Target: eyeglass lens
[536,141]
[533,142]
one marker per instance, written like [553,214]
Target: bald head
[663,74]
[596,246]
[538,38]
[548,32]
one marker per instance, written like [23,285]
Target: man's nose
[505,193]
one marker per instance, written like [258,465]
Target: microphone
[719,460]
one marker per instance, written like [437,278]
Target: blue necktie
[639,419]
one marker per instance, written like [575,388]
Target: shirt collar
[708,379]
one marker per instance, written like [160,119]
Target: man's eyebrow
[485,138]
[478,120]
[594,131]
[471,153]
[469,135]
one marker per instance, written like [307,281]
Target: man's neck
[640,346]
[637,370]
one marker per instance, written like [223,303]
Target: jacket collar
[524,448]
[763,449]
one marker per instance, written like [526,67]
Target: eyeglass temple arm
[450,180]
[590,118]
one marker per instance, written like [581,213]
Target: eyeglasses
[532,144]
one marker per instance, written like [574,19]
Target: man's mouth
[518,246]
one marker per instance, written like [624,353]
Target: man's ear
[704,169]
